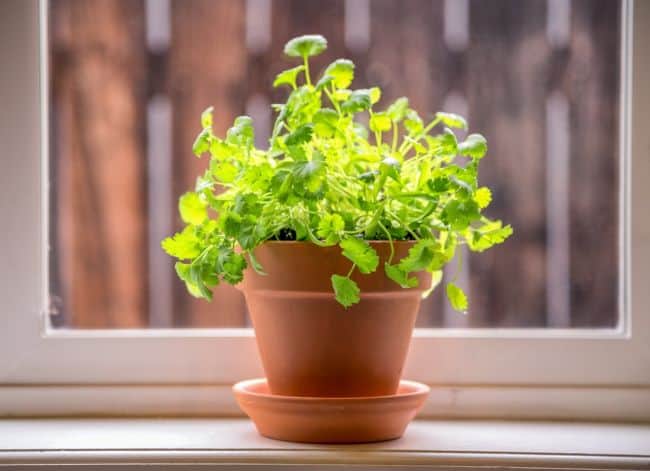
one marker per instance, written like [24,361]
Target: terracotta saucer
[330,419]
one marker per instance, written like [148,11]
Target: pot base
[330,419]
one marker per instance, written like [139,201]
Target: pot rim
[242,387]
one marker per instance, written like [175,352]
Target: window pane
[129,79]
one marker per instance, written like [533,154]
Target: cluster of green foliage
[328,179]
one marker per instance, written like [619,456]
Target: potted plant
[336,230]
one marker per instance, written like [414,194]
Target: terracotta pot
[309,344]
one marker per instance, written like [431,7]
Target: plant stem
[459,264]
[307,77]
[407,145]
[390,241]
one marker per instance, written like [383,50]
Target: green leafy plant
[327,178]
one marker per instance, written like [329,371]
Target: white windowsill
[230,442]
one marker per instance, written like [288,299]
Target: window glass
[129,79]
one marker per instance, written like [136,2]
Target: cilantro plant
[328,179]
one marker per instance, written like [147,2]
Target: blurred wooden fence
[539,78]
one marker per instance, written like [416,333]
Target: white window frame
[549,373]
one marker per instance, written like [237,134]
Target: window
[601,373]
[535,77]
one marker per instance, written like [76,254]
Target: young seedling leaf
[341,71]
[474,146]
[202,142]
[305,46]
[397,110]
[380,122]
[452,120]
[241,133]
[206,117]
[288,77]
[359,100]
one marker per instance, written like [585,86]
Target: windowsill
[235,441]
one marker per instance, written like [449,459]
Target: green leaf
[419,256]
[380,122]
[490,234]
[399,276]
[224,172]
[206,117]
[202,142]
[193,210]
[305,46]
[324,81]
[231,223]
[483,197]
[346,290]
[446,143]
[341,71]
[325,121]
[452,120]
[457,298]
[191,275]
[361,254]
[397,111]
[439,184]
[308,168]
[459,214]
[231,265]
[375,95]
[300,135]
[330,228]
[183,245]
[359,100]
[250,234]
[413,123]
[221,149]
[241,133]
[288,77]
[474,146]
[390,167]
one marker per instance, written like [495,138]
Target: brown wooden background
[106,73]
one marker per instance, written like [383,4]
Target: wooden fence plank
[207,66]
[592,84]
[99,161]
[507,62]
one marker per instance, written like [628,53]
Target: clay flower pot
[309,344]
